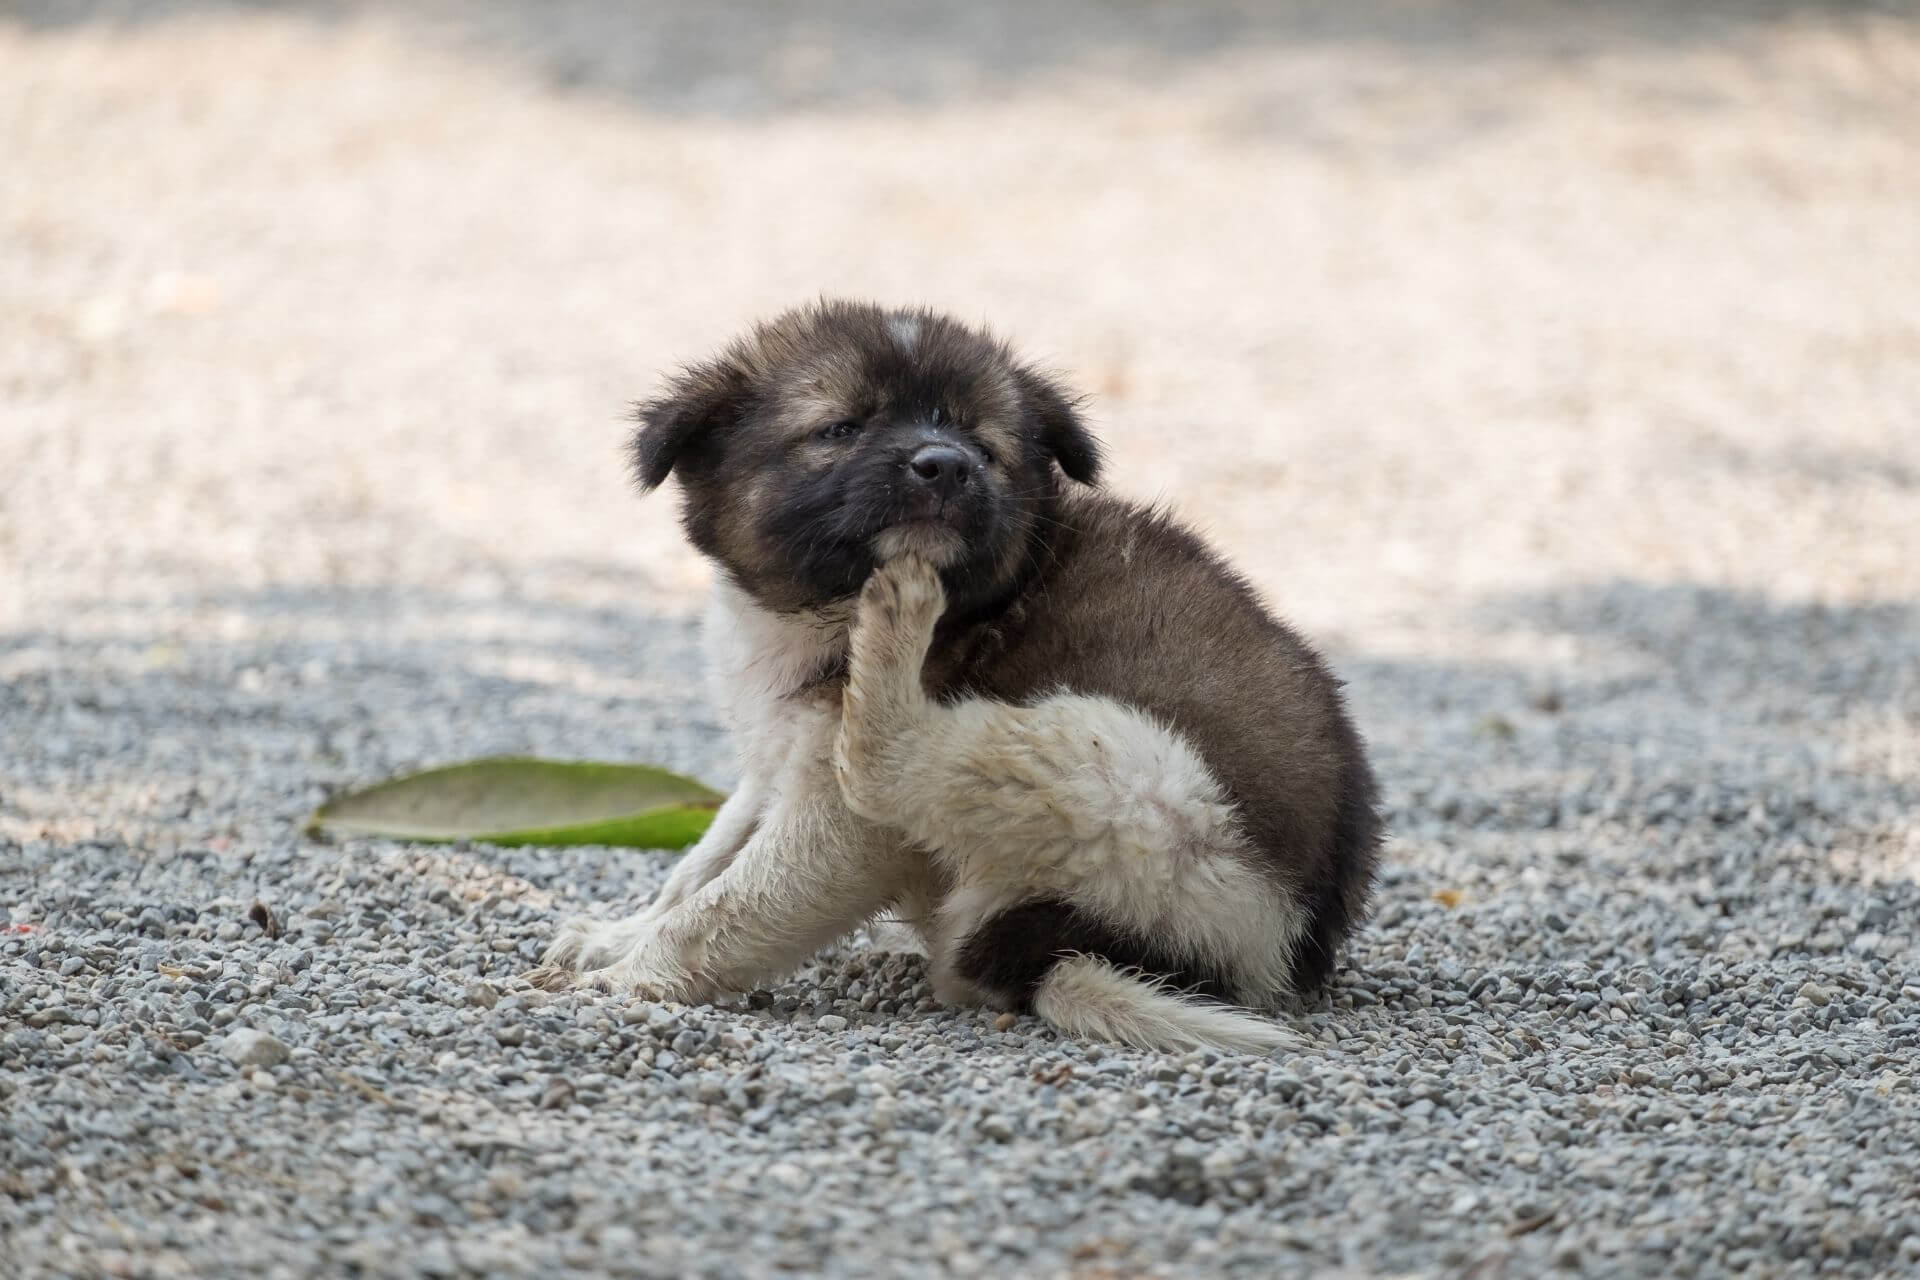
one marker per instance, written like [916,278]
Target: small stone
[787,1175]
[615,1242]
[998,1128]
[356,1142]
[435,1258]
[1813,994]
[246,1047]
[832,1023]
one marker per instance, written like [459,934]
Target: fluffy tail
[1086,996]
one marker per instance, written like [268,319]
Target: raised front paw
[884,705]
[902,596]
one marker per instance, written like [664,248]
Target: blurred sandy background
[1432,312]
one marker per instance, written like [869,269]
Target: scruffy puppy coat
[1046,726]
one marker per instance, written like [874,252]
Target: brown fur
[1061,588]
[1133,607]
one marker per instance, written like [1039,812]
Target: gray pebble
[246,1047]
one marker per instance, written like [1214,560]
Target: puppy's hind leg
[1076,826]
[1074,794]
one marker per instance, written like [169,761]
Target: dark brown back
[1134,607]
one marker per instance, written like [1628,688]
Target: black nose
[942,468]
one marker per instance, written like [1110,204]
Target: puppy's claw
[630,980]
[562,953]
[551,978]
[569,946]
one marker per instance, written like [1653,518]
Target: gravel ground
[1559,368]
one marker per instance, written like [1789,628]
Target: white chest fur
[756,661]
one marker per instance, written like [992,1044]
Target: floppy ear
[676,422]
[1062,434]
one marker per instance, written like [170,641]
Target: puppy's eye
[840,430]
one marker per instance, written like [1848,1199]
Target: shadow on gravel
[1696,753]
[1680,757]
[1719,641]
[1817,705]
[1649,707]
[750,58]
[300,688]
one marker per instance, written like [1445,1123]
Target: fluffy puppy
[1046,726]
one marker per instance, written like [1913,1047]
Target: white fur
[757,658]
[880,797]
[1086,996]
[937,543]
[904,330]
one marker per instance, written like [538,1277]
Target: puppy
[1047,727]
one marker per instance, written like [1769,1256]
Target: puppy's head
[842,434]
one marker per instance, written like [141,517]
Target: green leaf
[523,800]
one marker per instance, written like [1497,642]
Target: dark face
[841,436]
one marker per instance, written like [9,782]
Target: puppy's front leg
[809,872]
[586,943]
[801,881]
